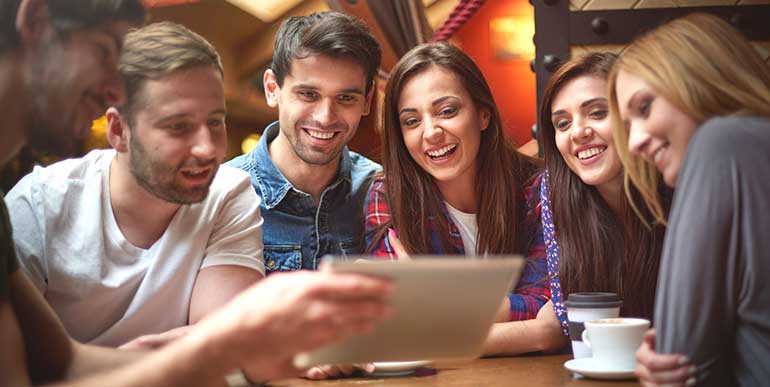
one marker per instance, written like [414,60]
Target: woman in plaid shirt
[453,184]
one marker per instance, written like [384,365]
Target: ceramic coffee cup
[582,307]
[614,341]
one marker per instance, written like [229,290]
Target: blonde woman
[692,99]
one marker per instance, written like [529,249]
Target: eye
[216,123]
[561,124]
[308,95]
[180,127]
[409,122]
[598,114]
[447,111]
[644,107]
[346,98]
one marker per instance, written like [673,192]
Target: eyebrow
[349,90]
[183,115]
[635,98]
[437,101]
[582,105]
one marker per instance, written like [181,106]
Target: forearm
[517,337]
[216,286]
[91,359]
[184,363]
[532,291]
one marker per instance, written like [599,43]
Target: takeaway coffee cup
[582,307]
[614,341]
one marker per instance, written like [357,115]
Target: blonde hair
[702,66]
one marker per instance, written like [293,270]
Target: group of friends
[158,263]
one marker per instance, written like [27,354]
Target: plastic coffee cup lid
[593,300]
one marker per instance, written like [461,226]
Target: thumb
[398,247]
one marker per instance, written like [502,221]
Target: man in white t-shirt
[153,234]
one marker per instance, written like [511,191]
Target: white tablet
[443,309]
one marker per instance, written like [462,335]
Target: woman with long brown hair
[692,100]
[594,240]
[453,184]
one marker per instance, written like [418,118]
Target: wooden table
[505,371]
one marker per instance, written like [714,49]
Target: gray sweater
[713,297]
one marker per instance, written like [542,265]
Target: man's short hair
[159,49]
[332,34]
[66,16]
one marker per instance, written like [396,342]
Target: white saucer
[398,368]
[589,368]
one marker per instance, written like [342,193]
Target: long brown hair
[599,249]
[413,197]
[705,68]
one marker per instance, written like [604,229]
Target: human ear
[272,90]
[32,21]
[118,132]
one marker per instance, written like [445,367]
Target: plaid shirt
[532,290]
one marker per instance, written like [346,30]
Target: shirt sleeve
[8,262]
[532,291]
[698,266]
[237,236]
[377,216]
[29,232]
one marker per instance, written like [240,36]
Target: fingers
[654,369]
[658,362]
[398,247]
[350,287]
[649,338]
[329,371]
[682,376]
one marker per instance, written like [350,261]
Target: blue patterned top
[552,254]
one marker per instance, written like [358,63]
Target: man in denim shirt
[312,186]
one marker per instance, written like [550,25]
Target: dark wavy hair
[325,33]
[599,249]
[413,196]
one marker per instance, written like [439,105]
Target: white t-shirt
[105,290]
[466,224]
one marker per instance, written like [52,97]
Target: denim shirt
[298,233]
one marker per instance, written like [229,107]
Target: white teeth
[196,172]
[319,134]
[442,151]
[590,153]
[658,154]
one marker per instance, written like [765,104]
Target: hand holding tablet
[442,309]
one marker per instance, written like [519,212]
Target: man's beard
[158,178]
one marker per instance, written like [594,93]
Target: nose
[580,132]
[325,112]
[432,132]
[639,142]
[113,88]
[205,144]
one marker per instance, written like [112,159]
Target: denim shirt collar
[273,183]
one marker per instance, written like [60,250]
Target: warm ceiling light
[265,10]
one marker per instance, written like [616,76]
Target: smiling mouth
[196,173]
[441,153]
[591,152]
[321,135]
[659,154]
